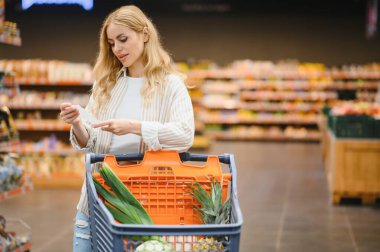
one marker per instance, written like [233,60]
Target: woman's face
[127,45]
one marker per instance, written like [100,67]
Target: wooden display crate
[353,168]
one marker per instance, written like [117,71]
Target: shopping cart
[108,235]
[19,236]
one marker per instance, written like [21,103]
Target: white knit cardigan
[167,123]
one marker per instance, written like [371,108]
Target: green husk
[123,207]
[135,210]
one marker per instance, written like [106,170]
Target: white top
[130,108]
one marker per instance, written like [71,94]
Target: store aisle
[283,195]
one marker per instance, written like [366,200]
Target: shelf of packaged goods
[271,121]
[27,187]
[341,75]
[41,125]
[276,107]
[266,107]
[277,138]
[307,86]
[25,247]
[200,142]
[354,86]
[288,96]
[199,126]
[58,180]
[62,152]
[366,96]
[10,40]
[38,106]
[283,75]
[221,89]
[194,82]
[6,146]
[43,82]
[285,85]
[236,74]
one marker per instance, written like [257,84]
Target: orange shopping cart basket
[159,182]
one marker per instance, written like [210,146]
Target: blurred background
[290,87]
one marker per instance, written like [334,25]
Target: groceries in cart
[162,191]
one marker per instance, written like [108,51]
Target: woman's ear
[146,34]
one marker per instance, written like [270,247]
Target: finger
[65,105]
[69,110]
[101,124]
[108,129]
[69,113]
[72,118]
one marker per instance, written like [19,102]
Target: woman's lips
[122,57]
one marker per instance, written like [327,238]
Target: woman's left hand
[120,126]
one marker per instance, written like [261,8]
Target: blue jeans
[82,233]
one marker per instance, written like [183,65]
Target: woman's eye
[123,40]
[111,44]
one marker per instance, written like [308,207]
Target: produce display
[356,108]
[355,120]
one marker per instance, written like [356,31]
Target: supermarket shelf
[26,247]
[46,106]
[5,146]
[288,96]
[36,82]
[63,152]
[266,107]
[65,180]
[307,86]
[16,41]
[41,125]
[27,187]
[284,75]
[276,108]
[295,85]
[199,126]
[227,137]
[200,142]
[353,86]
[259,121]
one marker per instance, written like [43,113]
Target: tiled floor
[283,196]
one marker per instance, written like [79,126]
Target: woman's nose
[118,47]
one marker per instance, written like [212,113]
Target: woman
[138,100]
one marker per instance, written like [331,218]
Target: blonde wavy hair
[157,62]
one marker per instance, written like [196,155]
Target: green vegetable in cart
[154,246]
[125,207]
[212,211]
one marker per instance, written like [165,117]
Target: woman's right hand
[70,113]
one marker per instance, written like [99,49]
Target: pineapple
[212,211]
[208,244]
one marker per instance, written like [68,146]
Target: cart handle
[185,156]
